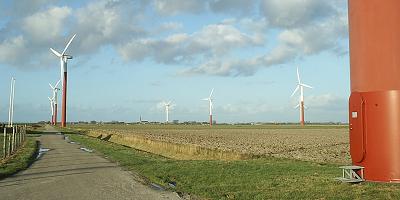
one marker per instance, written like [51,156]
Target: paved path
[66,172]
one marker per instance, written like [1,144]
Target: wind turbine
[210,102]
[55,90]
[167,105]
[300,86]
[52,109]
[63,61]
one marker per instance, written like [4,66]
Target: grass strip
[265,178]
[23,158]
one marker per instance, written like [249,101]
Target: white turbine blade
[58,82]
[55,52]
[169,103]
[52,107]
[66,47]
[51,86]
[307,86]
[205,99]
[211,93]
[298,76]
[295,90]
[298,105]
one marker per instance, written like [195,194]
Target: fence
[12,139]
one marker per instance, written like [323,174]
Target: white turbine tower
[167,106]
[55,90]
[300,86]
[210,103]
[52,109]
[63,61]
[11,108]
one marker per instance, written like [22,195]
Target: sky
[129,56]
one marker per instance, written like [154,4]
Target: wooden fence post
[9,144]
[4,142]
[19,136]
[13,140]
[25,133]
[21,129]
[16,138]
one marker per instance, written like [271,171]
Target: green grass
[266,178]
[21,160]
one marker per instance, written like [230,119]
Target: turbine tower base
[374,117]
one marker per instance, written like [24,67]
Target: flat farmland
[317,143]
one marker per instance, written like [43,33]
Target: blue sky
[129,56]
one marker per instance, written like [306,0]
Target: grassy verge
[21,160]
[267,178]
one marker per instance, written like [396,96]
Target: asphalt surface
[67,172]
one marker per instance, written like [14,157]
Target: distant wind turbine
[52,109]
[63,61]
[300,86]
[210,102]
[167,106]
[55,90]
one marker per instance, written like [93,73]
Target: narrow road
[67,172]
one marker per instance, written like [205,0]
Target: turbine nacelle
[68,57]
[167,104]
[63,57]
[209,98]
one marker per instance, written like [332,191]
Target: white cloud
[170,26]
[97,24]
[305,27]
[221,38]
[173,7]
[47,25]
[13,50]
[214,39]
[229,6]
[21,9]
[225,68]
[315,38]
[293,43]
[326,102]
[296,13]
[229,108]
[103,23]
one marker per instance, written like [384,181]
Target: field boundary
[171,150]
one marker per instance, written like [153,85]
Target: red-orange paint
[64,102]
[374,105]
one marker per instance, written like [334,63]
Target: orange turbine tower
[374,104]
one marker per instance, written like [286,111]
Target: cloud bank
[299,28]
